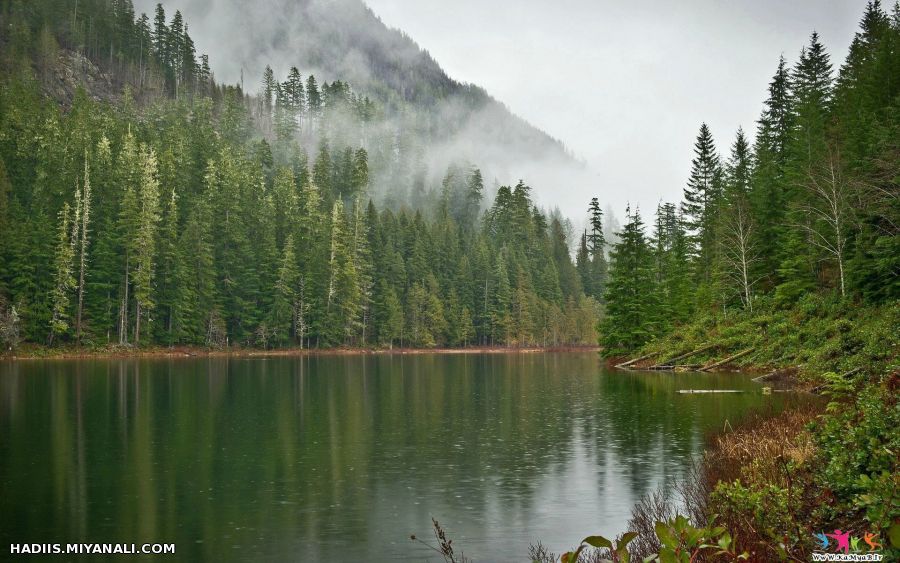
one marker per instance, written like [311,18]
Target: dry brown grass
[758,443]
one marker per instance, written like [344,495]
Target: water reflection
[342,457]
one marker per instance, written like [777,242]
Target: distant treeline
[190,213]
[812,206]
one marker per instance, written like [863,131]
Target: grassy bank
[816,337]
[772,484]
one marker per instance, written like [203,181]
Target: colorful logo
[842,544]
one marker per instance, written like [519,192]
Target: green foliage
[211,224]
[858,441]
[683,542]
[810,208]
[617,551]
[631,317]
[680,541]
[819,334]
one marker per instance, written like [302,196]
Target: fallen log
[682,367]
[687,367]
[764,376]
[696,391]
[636,360]
[727,360]
[671,361]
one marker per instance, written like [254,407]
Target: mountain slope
[345,40]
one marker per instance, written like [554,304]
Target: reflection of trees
[289,455]
[651,430]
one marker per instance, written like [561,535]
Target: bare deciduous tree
[739,249]
[829,209]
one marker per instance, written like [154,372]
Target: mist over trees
[812,206]
[158,206]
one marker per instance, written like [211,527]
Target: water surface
[341,458]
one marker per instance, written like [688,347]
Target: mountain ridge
[346,40]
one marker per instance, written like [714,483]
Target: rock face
[74,70]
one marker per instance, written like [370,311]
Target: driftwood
[694,391]
[636,360]
[663,367]
[671,361]
[765,376]
[727,360]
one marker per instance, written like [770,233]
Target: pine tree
[768,190]
[583,265]
[286,303]
[360,176]
[322,171]
[83,229]
[671,249]
[343,295]
[167,271]
[296,96]
[740,251]
[129,176]
[597,246]
[630,319]
[160,36]
[144,241]
[269,87]
[811,83]
[811,90]
[313,102]
[701,198]
[474,196]
[390,317]
[64,282]
[362,260]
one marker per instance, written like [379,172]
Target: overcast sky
[625,85]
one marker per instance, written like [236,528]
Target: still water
[341,458]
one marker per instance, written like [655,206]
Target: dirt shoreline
[42,353]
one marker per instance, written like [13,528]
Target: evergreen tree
[143,243]
[768,191]
[285,305]
[269,87]
[64,282]
[738,238]
[597,245]
[630,319]
[701,198]
[671,253]
[83,230]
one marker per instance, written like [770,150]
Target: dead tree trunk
[728,359]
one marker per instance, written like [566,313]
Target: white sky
[625,84]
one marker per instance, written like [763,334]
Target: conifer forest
[373,272]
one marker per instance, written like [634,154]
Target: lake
[341,458]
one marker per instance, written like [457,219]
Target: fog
[624,86]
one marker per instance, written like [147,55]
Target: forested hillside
[143,203]
[812,206]
[430,119]
[783,256]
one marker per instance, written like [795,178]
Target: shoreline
[122,352]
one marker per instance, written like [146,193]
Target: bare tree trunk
[123,318]
[85,221]
[137,322]
[829,213]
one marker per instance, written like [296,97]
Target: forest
[157,207]
[810,207]
[144,205]
[783,258]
